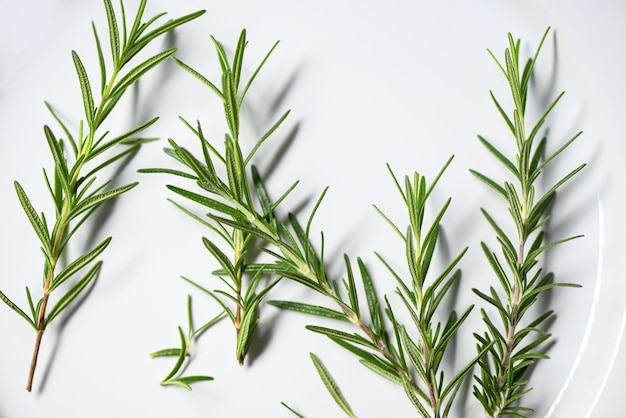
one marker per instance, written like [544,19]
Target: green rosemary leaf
[166,352]
[331,385]
[256,72]
[261,192]
[229,296]
[415,354]
[231,107]
[124,39]
[207,201]
[303,239]
[145,25]
[496,267]
[238,59]
[249,323]
[493,330]
[455,383]
[398,350]
[513,77]
[79,263]
[265,136]
[84,187]
[34,312]
[504,239]
[101,62]
[255,299]
[292,410]
[166,27]
[60,163]
[220,257]
[85,89]
[221,55]
[451,330]
[234,169]
[533,254]
[191,379]
[111,103]
[98,199]
[200,77]
[499,156]
[120,139]
[489,182]
[541,205]
[226,309]
[432,291]
[167,171]
[390,222]
[561,149]
[128,151]
[372,299]
[114,34]
[250,293]
[366,356]
[333,333]
[180,359]
[502,112]
[207,149]
[134,74]
[71,294]
[67,132]
[351,287]
[384,372]
[132,35]
[411,394]
[543,117]
[196,333]
[293,274]
[176,382]
[34,219]
[16,308]
[56,193]
[205,173]
[528,71]
[309,309]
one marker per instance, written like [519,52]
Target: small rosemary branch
[228,195]
[73,192]
[502,381]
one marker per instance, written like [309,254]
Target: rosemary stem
[380,344]
[41,326]
[59,229]
[239,248]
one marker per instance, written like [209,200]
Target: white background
[369,83]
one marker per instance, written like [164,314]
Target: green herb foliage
[517,344]
[75,193]
[411,356]
[174,377]
[228,195]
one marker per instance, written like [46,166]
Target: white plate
[369,83]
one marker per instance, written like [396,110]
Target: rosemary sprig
[228,195]
[410,359]
[174,377]
[74,193]
[516,344]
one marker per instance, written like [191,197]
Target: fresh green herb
[516,344]
[74,193]
[229,195]
[412,360]
[331,386]
[174,377]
